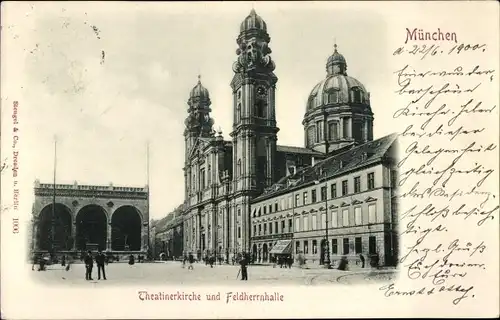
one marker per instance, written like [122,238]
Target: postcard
[249,160]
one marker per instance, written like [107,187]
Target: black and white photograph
[248,154]
[253,209]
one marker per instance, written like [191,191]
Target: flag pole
[147,173]
[53,220]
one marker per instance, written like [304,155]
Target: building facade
[223,176]
[346,202]
[245,193]
[102,217]
[168,235]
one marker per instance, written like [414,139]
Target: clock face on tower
[261,91]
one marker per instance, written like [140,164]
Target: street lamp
[326,260]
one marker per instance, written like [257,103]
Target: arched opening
[254,253]
[264,252]
[260,107]
[91,227]
[63,239]
[126,229]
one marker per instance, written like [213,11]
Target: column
[341,129]
[215,229]
[350,127]
[144,237]
[108,235]
[73,234]
[207,223]
[365,130]
[243,224]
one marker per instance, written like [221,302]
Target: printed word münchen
[179,296]
[244,296]
[420,34]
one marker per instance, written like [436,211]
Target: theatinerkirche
[223,177]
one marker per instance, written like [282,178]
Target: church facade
[227,180]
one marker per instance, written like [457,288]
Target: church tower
[198,125]
[254,132]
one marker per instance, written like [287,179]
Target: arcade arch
[126,225]
[63,239]
[91,227]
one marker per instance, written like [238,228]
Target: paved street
[173,273]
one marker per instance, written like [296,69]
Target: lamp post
[53,217]
[326,260]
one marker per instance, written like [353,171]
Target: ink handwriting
[447,168]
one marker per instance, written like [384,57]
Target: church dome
[338,112]
[199,91]
[337,87]
[253,21]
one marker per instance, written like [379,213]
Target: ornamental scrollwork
[252,54]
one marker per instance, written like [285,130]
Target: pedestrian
[63,260]
[35,259]
[343,264]
[68,265]
[184,259]
[131,259]
[362,260]
[100,260]
[243,264]
[191,261]
[89,264]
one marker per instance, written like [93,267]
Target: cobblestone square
[172,273]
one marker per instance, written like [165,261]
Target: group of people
[100,260]
[188,258]
[243,260]
[285,261]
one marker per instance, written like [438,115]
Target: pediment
[192,152]
[356,201]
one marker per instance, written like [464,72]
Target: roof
[163,223]
[335,165]
[299,150]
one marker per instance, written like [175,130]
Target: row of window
[314,197]
[316,134]
[260,110]
[334,221]
[205,179]
[347,246]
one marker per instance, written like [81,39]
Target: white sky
[103,114]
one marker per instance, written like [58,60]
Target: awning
[282,247]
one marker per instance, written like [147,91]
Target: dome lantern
[336,63]
[199,94]
[253,22]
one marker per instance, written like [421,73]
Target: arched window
[209,176]
[239,168]
[311,135]
[332,96]
[260,109]
[319,131]
[333,131]
[238,113]
[356,95]
[310,103]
